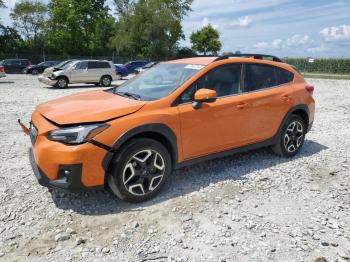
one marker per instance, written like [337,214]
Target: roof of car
[194,60]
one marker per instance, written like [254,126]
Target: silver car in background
[98,72]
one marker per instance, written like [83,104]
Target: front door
[79,73]
[210,128]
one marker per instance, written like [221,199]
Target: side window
[81,65]
[16,62]
[104,65]
[259,76]
[92,65]
[283,76]
[225,80]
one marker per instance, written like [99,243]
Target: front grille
[33,133]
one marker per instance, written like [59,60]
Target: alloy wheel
[106,81]
[144,172]
[293,136]
[61,83]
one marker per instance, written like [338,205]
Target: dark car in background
[146,67]
[121,70]
[39,68]
[132,65]
[15,65]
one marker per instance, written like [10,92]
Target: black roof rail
[255,56]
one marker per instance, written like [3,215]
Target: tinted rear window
[98,64]
[259,76]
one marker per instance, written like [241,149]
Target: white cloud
[292,42]
[317,49]
[299,40]
[206,22]
[277,44]
[244,21]
[336,33]
[262,45]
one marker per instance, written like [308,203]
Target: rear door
[266,99]
[97,69]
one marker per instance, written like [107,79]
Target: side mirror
[204,95]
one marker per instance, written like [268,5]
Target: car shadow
[183,181]
[7,82]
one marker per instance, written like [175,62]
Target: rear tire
[106,81]
[140,170]
[292,137]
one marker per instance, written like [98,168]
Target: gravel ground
[247,207]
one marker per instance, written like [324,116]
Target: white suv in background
[98,72]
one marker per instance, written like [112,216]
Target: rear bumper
[47,81]
[68,178]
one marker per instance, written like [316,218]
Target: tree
[78,26]
[2,4]
[206,40]
[10,40]
[29,18]
[151,29]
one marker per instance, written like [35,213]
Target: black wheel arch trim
[155,128]
[291,111]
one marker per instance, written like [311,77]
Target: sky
[285,28]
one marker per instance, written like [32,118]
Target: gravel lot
[247,207]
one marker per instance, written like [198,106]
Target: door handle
[241,106]
[286,98]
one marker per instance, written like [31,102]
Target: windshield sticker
[195,67]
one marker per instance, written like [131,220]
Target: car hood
[87,107]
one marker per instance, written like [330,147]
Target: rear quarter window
[98,65]
[283,76]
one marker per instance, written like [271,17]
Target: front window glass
[81,66]
[159,81]
[225,80]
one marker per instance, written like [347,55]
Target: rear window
[98,64]
[258,76]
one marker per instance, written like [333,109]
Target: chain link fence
[35,59]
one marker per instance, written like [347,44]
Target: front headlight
[77,134]
[52,76]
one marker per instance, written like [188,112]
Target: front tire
[35,72]
[140,170]
[62,82]
[292,137]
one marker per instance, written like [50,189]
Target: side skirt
[266,143]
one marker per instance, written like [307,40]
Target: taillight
[310,89]
[2,69]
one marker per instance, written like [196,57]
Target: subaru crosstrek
[131,137]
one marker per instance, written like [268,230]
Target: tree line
[130,28]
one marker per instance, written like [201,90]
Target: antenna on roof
[255,56]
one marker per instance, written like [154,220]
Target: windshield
[158,82]
[66,65]
[62,64]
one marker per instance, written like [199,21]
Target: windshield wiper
[127,94]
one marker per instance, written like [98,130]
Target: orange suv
[180,112]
